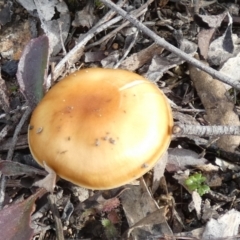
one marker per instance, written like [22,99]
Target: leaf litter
[160,205]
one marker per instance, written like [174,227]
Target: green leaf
[109,229]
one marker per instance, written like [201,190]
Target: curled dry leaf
[196,204]
[107,205]
[85,17]
[210,21]
[111,59]
[218,105]
[224,47]
[182,159]
[225,165]
[49,181]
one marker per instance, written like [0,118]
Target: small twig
[61,38]
[17,131]
[215,74]
[188,110]
[2,190]
[55,213]
[180,129]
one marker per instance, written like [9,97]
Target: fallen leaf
[143,216]
[85,17]
[160,64]
[137,60]
[224,47]
[158,171]
[231,68]
[226,226]
[111,59]
[196,204]
[32,69]
[55,28]
[182,159]
[204,39]
[15,219]
[218,105]
[224,165]
[210,21]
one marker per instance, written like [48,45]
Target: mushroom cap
[101,128]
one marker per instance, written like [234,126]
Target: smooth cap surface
[101,128]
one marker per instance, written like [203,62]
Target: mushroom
[101,128]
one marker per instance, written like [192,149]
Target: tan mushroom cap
[101,128]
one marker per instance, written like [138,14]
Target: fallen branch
[181,129]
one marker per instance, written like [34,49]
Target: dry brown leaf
[85,17]
[225,166]
[182,159]
[204,38]
[231,68]
[143,216]
[15,219]
[137,60]
[158,171]
[225,226]
[196,204]
[209,23]
[219,107]
[151,219]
